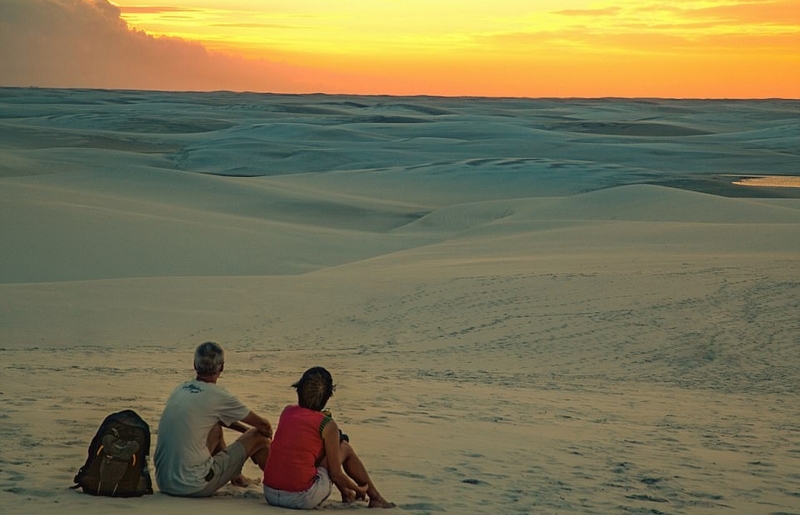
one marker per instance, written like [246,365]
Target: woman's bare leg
[354,468]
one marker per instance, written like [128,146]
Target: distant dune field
[529,306]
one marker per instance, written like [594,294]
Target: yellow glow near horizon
[397,41]
[372,27]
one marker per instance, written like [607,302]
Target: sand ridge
[770,182]
[538,306]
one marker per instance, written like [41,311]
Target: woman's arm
[330,439]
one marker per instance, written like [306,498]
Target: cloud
[761,15]
[154,9]
[777,13]
[86,43]
[606,11]
[655,28]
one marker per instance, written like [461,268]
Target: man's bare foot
[242,481]
[380,502]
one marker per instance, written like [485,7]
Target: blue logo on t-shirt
[192,388]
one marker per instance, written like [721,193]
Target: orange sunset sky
[532,48]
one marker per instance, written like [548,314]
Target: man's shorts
[227,465]
[306,500]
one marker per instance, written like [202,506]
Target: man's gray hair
[208,359]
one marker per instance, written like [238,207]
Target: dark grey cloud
[86,43]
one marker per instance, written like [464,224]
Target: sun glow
[697,48]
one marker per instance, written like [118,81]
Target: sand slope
[530,306]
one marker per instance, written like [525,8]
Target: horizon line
[390,95]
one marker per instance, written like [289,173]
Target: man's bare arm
[238,426]
[260,423]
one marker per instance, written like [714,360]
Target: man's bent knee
[253,441]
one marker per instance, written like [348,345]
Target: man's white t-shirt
[182,459]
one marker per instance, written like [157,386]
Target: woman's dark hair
[314,388]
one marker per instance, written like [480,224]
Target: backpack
[117,462]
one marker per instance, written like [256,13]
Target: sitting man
[191,457]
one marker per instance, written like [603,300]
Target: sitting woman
[308,453]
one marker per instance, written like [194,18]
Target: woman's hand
[349,495]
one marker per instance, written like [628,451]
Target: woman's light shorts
[306,500]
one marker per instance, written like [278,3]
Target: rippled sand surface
[529,306]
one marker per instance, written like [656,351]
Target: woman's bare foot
[348,496]
[380,502]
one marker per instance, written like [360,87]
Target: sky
[507,48]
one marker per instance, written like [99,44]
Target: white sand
[770,182]
[540,306]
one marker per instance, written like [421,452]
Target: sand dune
[530,306]
[770,182]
